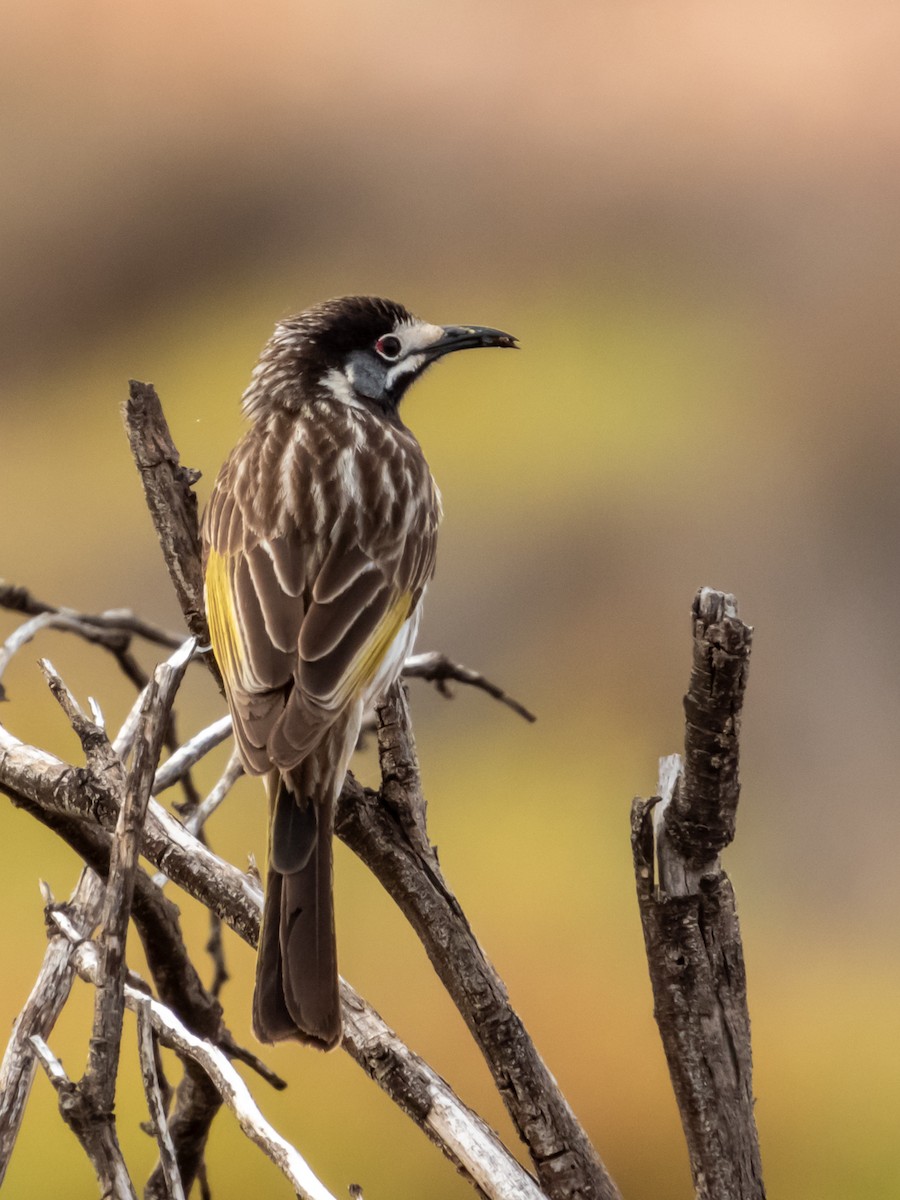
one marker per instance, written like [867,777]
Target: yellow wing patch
[220,613]
[227,644]
[371,656]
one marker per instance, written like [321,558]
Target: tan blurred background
[689,215]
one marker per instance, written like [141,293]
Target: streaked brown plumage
[319,539]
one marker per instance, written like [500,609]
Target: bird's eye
[388,347]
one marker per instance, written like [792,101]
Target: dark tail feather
[308,950]
[271,1020]
[297,992]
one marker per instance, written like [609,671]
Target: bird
[318,542]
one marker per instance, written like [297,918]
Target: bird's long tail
[296,994]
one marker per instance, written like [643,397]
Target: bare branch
[388,833]
[38,1017]
[168,488]
[461,1134]
[90,733]
[233,771]
[437,668]
[689,916]
[187,755]
[114,620]
[174,1034]
[98,1138]
[113,630]
[156,1105]
[100,1078]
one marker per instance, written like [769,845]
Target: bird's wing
[360,600]
[255,603]
[298,636]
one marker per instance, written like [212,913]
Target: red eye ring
[389,347]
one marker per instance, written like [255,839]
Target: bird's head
[360,350]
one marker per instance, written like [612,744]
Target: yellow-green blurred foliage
[688,214]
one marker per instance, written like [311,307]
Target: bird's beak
[468,337]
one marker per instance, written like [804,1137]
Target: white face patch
[418,335]
[341,386]
[413,336]
[409,366]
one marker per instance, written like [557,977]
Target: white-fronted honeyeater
[318,541]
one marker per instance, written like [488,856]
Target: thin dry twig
[115,620]
[437,668]
[156,1105]
[234,769]
[189,754]
[100,1077]
[42,1008]
[114,630]
[98,1138]
[51,1064]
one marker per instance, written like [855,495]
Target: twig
[437,668]
[388,833]
[38,1017]
[168,488]
[174,1034]
[215,948]
[125,738]
[462,1135]
[253,1061]
[113,630]
[100,1078]
[197,1102]
[190,753]
[116,620]
[156,1105]
[229,777]
[51,1064]
[87,1107]
[689,916]
[98,1138]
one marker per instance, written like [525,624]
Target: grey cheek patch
[367,375]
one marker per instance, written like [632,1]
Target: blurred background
[689,216]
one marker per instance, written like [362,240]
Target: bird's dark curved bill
[470,337]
